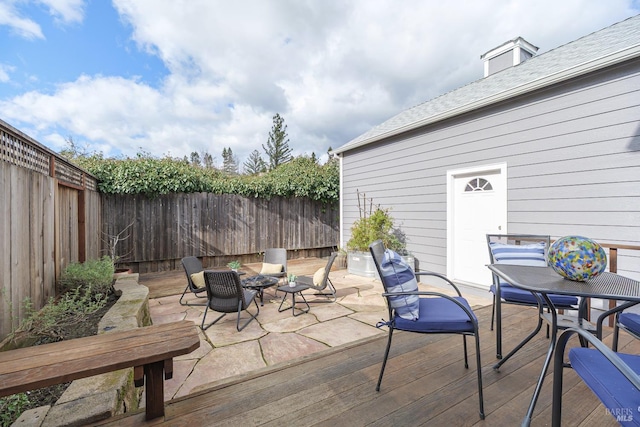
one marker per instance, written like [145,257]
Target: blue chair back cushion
[617,394]
[399,277]
[438,315]
[531,254]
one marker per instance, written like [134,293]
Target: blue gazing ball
[577,258]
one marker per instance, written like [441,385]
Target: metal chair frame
[192,265]
[225,295]
[377,250]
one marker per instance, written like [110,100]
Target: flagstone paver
[339,331]
[277,348]
[371,317]
[328,311]
[290,323]
[222,363]
[224,332]
[181,371]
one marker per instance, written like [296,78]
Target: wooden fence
[49,208]
[217,227]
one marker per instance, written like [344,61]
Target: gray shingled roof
[606,47]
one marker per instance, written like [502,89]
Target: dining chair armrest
[614,311]
[606,392]
[441,277]
[609,354]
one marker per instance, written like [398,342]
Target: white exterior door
[477,205]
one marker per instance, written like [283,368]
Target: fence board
[217,227]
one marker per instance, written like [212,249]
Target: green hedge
[301,177]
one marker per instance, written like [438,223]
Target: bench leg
[154,391]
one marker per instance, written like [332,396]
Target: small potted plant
[234,265]
[292,280]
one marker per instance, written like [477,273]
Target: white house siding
[573,160]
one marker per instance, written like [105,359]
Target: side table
[293,290]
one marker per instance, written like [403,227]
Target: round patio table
[259,283]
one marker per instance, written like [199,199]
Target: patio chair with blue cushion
[195,280]
[613,377]
[225,294]
[423,312]
[627,321]
[519,249]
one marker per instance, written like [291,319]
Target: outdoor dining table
[543,281]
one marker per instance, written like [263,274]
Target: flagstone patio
[275,337]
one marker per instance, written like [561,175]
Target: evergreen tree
[229,162]
[277,148]
[255,164]
[207,160]
[195,159]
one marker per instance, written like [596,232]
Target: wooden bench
[149,350]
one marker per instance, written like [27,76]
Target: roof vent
[507,55]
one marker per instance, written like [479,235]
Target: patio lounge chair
[436,313]
[613,377]
[519,249]
[320,281]
[193,269]
[225,294]
[275,263]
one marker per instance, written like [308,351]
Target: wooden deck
[425,384]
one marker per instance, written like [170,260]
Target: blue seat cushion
[617,394]
[438,315]
[630,321]
[512,294]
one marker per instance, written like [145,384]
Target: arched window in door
[478,184]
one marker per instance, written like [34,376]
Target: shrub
[11,407]
[152,177]
[95,276]
[376,226]
[84,288]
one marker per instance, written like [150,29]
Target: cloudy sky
[170,77]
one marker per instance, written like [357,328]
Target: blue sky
[170,77]
[100,44]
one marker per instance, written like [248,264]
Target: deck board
[425,384]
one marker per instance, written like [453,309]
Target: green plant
[300,177]
[377,226]
[292,277]
[11,407]
[84,288]
[71,308]
[374,224]
[234,265]
[96,275]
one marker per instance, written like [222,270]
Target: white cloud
[65,11]
[23,27]
[333,69]
[4,73]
